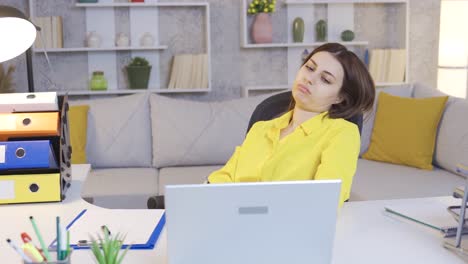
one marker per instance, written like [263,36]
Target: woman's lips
[302,88]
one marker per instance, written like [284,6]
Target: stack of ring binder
[35,151]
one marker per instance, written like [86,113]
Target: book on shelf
[51,32]
[387,65]
[189,71]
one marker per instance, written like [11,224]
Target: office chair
[270,108]
[276,105]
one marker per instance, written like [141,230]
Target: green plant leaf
[123,254]
[97,251]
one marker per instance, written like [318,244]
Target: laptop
[252,223]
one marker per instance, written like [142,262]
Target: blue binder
[26,155]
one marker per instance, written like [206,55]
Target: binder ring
[26,121]
[34,187]
[20,153]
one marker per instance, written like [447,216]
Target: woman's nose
[309,80]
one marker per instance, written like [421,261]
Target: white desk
[365,234]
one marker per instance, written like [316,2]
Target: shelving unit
[340,16]
[246,90]
[85,49]
[101,18]
[305,45]
[132,91]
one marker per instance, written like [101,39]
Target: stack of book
[51,32]
[387,65]
[189,71]
[34,148]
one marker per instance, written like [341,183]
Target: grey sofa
[138,144]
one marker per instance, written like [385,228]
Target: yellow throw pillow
[78,116]
[405,130]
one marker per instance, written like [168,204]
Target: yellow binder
[30,188]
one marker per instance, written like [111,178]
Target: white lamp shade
[453,42]
[17,36]
[453,48]
[453,82]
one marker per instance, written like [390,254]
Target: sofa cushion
[405,130]
[119,131]
[121,182]
[380,181]
[198,133]
[184,175]
[405,90]
[452,140]
[78,116]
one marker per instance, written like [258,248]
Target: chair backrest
[278,104]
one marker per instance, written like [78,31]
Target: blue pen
[59,255]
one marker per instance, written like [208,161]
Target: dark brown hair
[358,89]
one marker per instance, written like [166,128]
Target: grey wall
[233,67]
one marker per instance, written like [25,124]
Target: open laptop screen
[274,222]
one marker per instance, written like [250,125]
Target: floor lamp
[18,35]
[453,48]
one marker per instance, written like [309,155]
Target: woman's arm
[226,173]
[339,160]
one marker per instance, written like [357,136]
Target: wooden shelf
[311,44]
[311,2]
[247,89]
[86,49]
[389,84]
[133,91]
[168,4]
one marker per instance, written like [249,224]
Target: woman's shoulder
[340,125]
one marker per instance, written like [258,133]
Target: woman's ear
[339,100]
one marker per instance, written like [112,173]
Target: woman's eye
[325,80]
[310,68]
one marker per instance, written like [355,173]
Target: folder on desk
[26,188]
[26,154]
[20,125]
[28,102]
[150,224]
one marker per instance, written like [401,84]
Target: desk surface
[364,234]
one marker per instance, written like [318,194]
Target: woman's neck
[300,116]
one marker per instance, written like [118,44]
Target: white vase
[93,40]
[147,40]
[122,40]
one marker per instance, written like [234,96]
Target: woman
[312,141]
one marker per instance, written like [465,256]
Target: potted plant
[6,79]
[262,29]
[138,72]
[107,250]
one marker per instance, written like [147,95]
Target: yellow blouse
[319,149]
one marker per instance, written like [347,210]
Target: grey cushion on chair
[198,133]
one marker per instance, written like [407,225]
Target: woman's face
[318,83]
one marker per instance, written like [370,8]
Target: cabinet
[105,18]
[340,15]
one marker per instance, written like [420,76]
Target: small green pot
[138,76]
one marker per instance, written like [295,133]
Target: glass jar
[98,81]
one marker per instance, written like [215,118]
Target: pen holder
[53,256]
